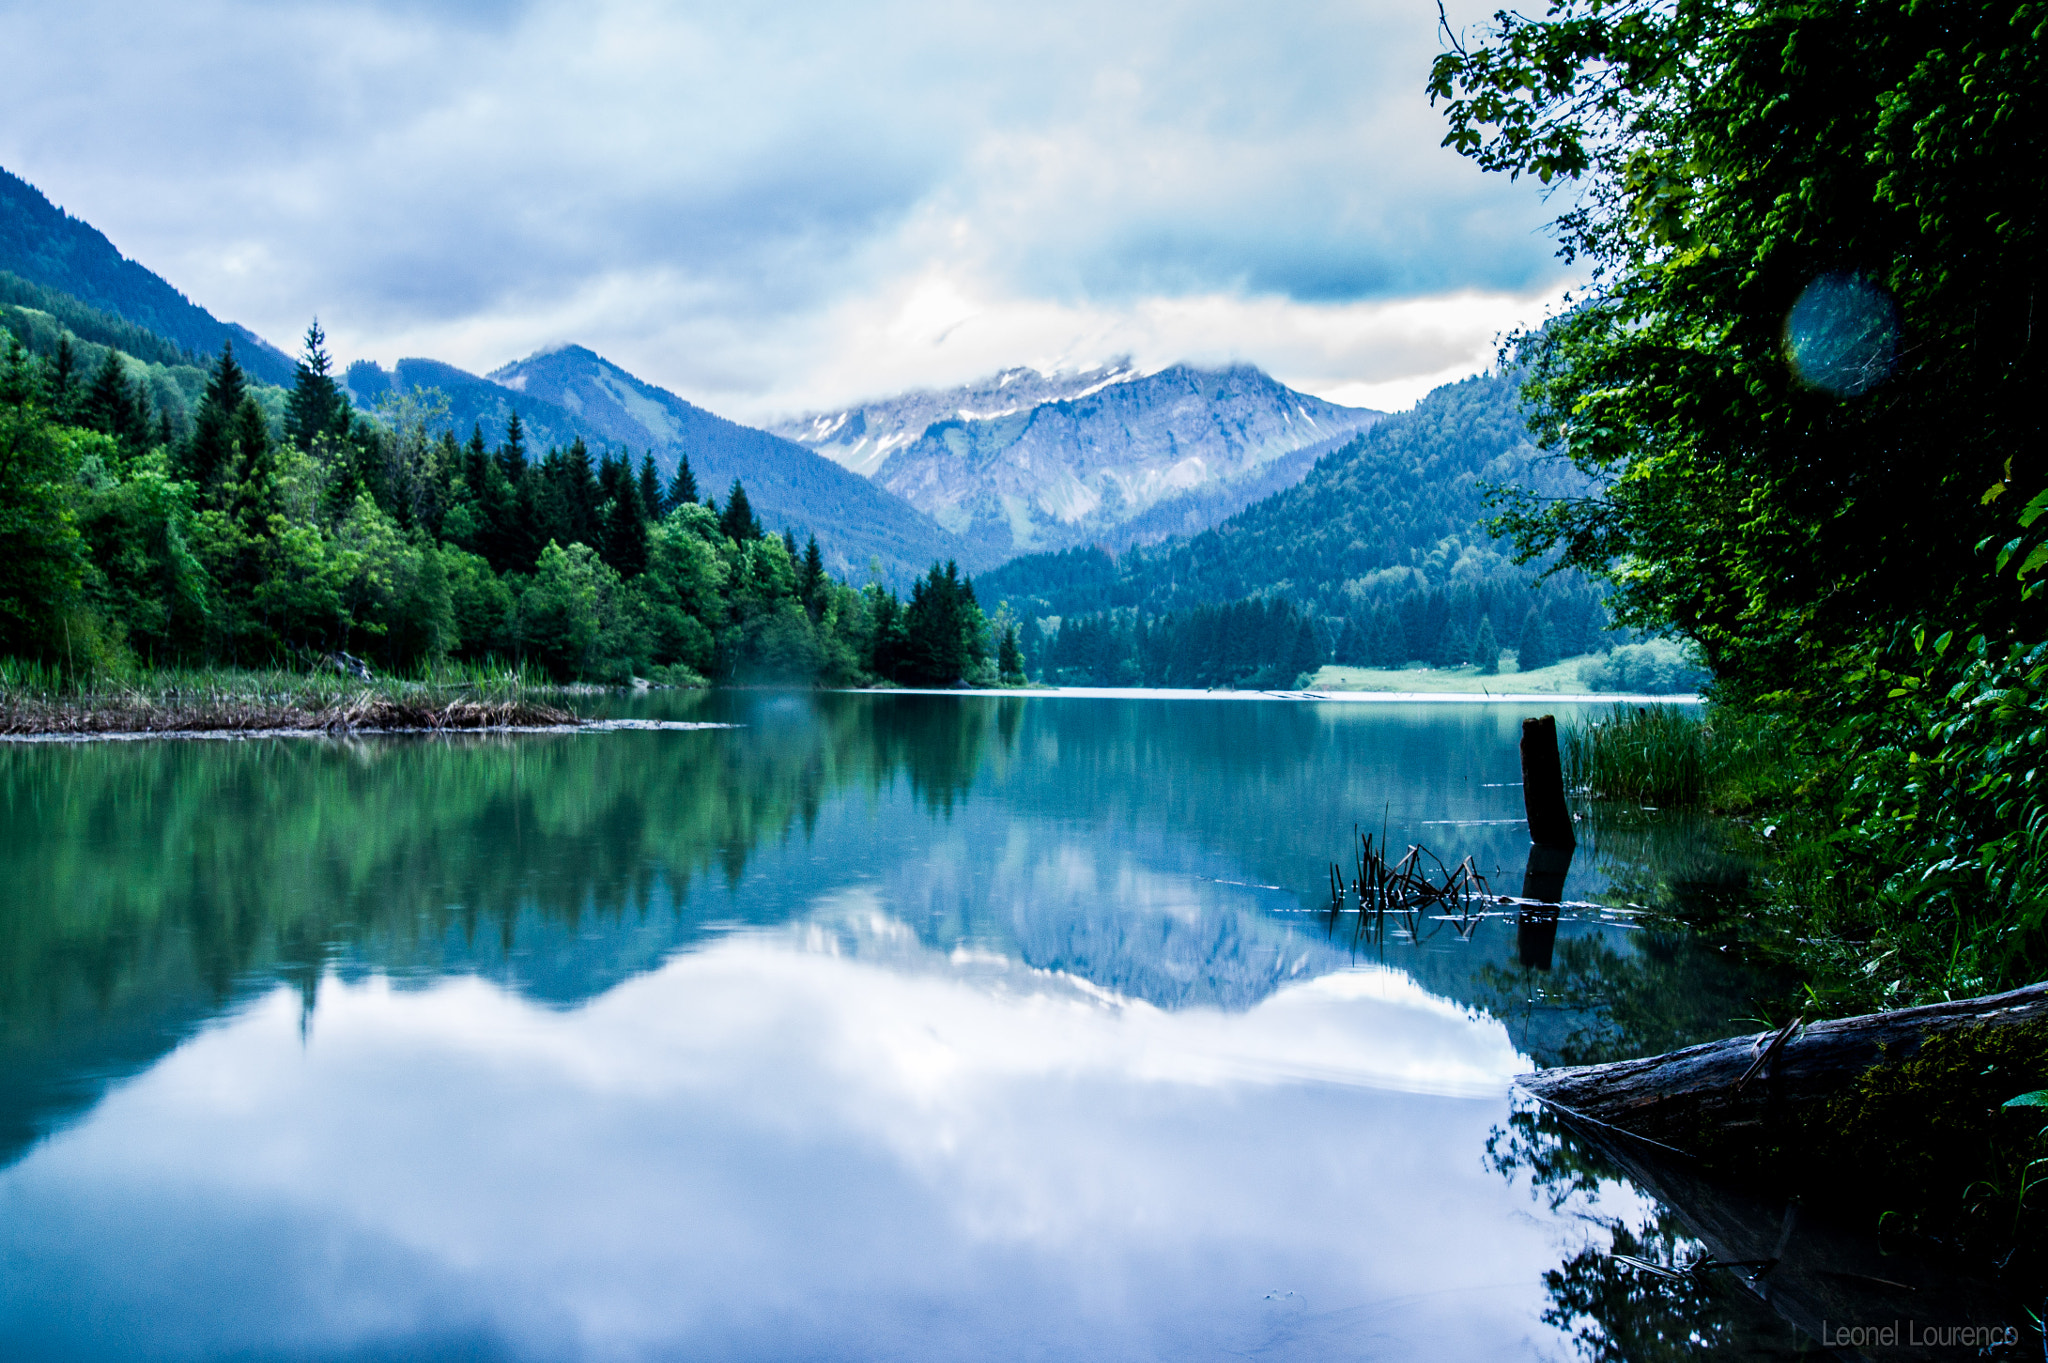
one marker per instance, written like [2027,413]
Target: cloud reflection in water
[824,1139]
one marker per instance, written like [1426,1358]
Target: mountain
[570,391]
[861,438]
[41,243]
[1389,521]
[1015,475]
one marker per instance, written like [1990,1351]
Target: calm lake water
[875,1027]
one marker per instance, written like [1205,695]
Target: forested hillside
[128,379]
[42,244]
[570,393]
[1380,545]
[301,530]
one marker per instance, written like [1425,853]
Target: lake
[870,1027]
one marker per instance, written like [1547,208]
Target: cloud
[746,205]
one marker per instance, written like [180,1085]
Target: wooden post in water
[1550,819]
[1551,840]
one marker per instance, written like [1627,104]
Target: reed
[1651,754]
[36,699]
[1677,756]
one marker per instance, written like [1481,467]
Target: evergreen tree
[1535,648]
[810,579]
[1031,646]
[209,452]
[1485,648]
[1453,647]
[739,522]
[63,381]
[622,528]
[942,628]
[1009,660]
[1353,647]
[1307,654]
[682,489]
[887,646]
[650,488]
[512,454]
[105,406]
[317,405]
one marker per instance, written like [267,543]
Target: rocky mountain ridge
[570,391]
[1184,447]
[862,438]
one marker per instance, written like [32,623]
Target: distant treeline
[298,528]
[1257,644]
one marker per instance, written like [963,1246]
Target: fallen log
[1703,1097]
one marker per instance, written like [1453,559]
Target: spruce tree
[650,488]
[208,453]
[105,405]
[625,535]
[739,523]
[512,454]
[1535,648]
[1453,647]
[1485,648]
[317,405]
[810,578]
[1009,660]
[63,381]
[682,489]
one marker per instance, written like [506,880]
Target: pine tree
[682,489]
[625,535]
[208,453]
[1535,648]
[63,381]
[739,523]
[1307,654]
[936,625]
[1009,660]
[650,488]
[317,405]
[810,578]
[105,405]
[1485,648]
[1453,647]
[512,454]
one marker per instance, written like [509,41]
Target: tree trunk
[1668,1098]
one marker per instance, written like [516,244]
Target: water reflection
[877,1025]
[775,1148]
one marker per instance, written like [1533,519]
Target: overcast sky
[777,208]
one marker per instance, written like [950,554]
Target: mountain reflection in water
[877,1026]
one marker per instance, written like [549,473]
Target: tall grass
[37,698]
[1669,755]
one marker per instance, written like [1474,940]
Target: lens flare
[1842,336]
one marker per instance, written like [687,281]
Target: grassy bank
[36,700]
[1565,677]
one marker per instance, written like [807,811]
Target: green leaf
[2038,1098]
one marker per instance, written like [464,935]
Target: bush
[1660,667]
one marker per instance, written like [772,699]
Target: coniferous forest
[156,514]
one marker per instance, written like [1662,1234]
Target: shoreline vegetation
[37,702]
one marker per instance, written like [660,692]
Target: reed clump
[38,700]
[1677,756]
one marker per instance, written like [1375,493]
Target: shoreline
[1341,697]
[227,735]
